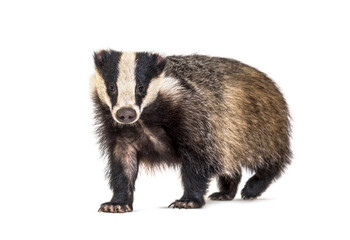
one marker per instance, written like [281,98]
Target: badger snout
[126,115]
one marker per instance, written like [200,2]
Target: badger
[209,116]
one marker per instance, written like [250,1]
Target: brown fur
[247,112]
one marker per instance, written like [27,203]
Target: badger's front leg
[123,169]
[195,180]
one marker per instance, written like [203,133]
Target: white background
[51,174]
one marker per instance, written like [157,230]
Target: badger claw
[186,204]
[114,208]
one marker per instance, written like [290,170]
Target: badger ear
[100,58]
[159,63]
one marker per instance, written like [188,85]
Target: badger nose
[126,115]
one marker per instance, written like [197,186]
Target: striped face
[127,82]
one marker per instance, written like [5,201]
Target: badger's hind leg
[261,180]
[227,187]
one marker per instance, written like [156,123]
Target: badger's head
[127,82]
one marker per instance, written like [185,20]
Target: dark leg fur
[227,186]
[123,190]
[195,186]
[262,179]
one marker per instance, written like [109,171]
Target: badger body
[210,116]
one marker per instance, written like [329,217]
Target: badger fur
[210,116]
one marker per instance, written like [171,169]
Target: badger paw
[112,207]
[186,204]
[247,194]
[221,196]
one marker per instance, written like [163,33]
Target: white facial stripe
[126,82]
[171,87]
[165,85]
[152,91]
[100,87]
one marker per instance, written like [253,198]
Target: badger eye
[112,88]
[140,88]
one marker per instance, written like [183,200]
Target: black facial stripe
[106,62]
[148,66]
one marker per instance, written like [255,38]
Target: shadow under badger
[210,116]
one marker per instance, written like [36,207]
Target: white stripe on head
[152,91]
[165,85]
[99,86]
[126,83]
